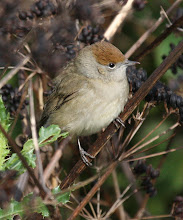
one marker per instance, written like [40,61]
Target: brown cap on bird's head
[106,53]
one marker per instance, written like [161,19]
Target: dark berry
[140,167]
[22,15]
[154,174]
[173,99]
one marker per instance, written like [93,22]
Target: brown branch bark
[129,108]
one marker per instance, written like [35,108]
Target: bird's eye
[112,65]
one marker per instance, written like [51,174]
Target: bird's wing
[65,90]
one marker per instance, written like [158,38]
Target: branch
[160,38]
[118,20]
[13,71]
[92,192]
[150,30]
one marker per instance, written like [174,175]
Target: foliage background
[170,182]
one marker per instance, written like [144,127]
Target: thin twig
[118,193]
[27,79]
[134,150]
[119,201]
[98,200]
[159,39]
[92,192]
[34,135]
[40,94]
[118,20]
[156,154]
[13,71]
[85,213]
[151,30]
[146,198]
[138,123]
[18,111]
[4,71]
[153,217]
[132,179]
[24,162]
[146,136]
[167,148]
[14,67]
[155,145]
[78,185]
[54,160]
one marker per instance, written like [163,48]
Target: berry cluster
[160,92]
[53,53]
[41,8]
[90,35]
[70,51]
[136,77]
[150,174]
[11,98]
[178,63]
[139,4]
[16,27]
[9,22]
[177,210]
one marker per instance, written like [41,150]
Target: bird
[89,93]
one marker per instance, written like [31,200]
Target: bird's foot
[118,121]
[83,154]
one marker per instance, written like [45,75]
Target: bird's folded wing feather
[66,89]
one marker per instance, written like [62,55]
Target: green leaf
[47,136]
[29,204]
[28,152]
[4,116]
[50,134]
[61,198]
[5,122]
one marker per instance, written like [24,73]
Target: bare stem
[118,20]
[13,72]
[151,30]
[34,134]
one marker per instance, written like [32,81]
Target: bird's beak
[130,63]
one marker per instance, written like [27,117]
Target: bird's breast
[105,101]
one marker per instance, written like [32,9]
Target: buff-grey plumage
[88,93]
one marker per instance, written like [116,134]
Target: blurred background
[51,33]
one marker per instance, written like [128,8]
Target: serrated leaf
[47,136]
[29,204]
[4,116]
[15,163]
[50,134]
[61,198]
[5,122]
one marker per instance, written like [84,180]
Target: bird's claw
[83,154]
[119,121]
